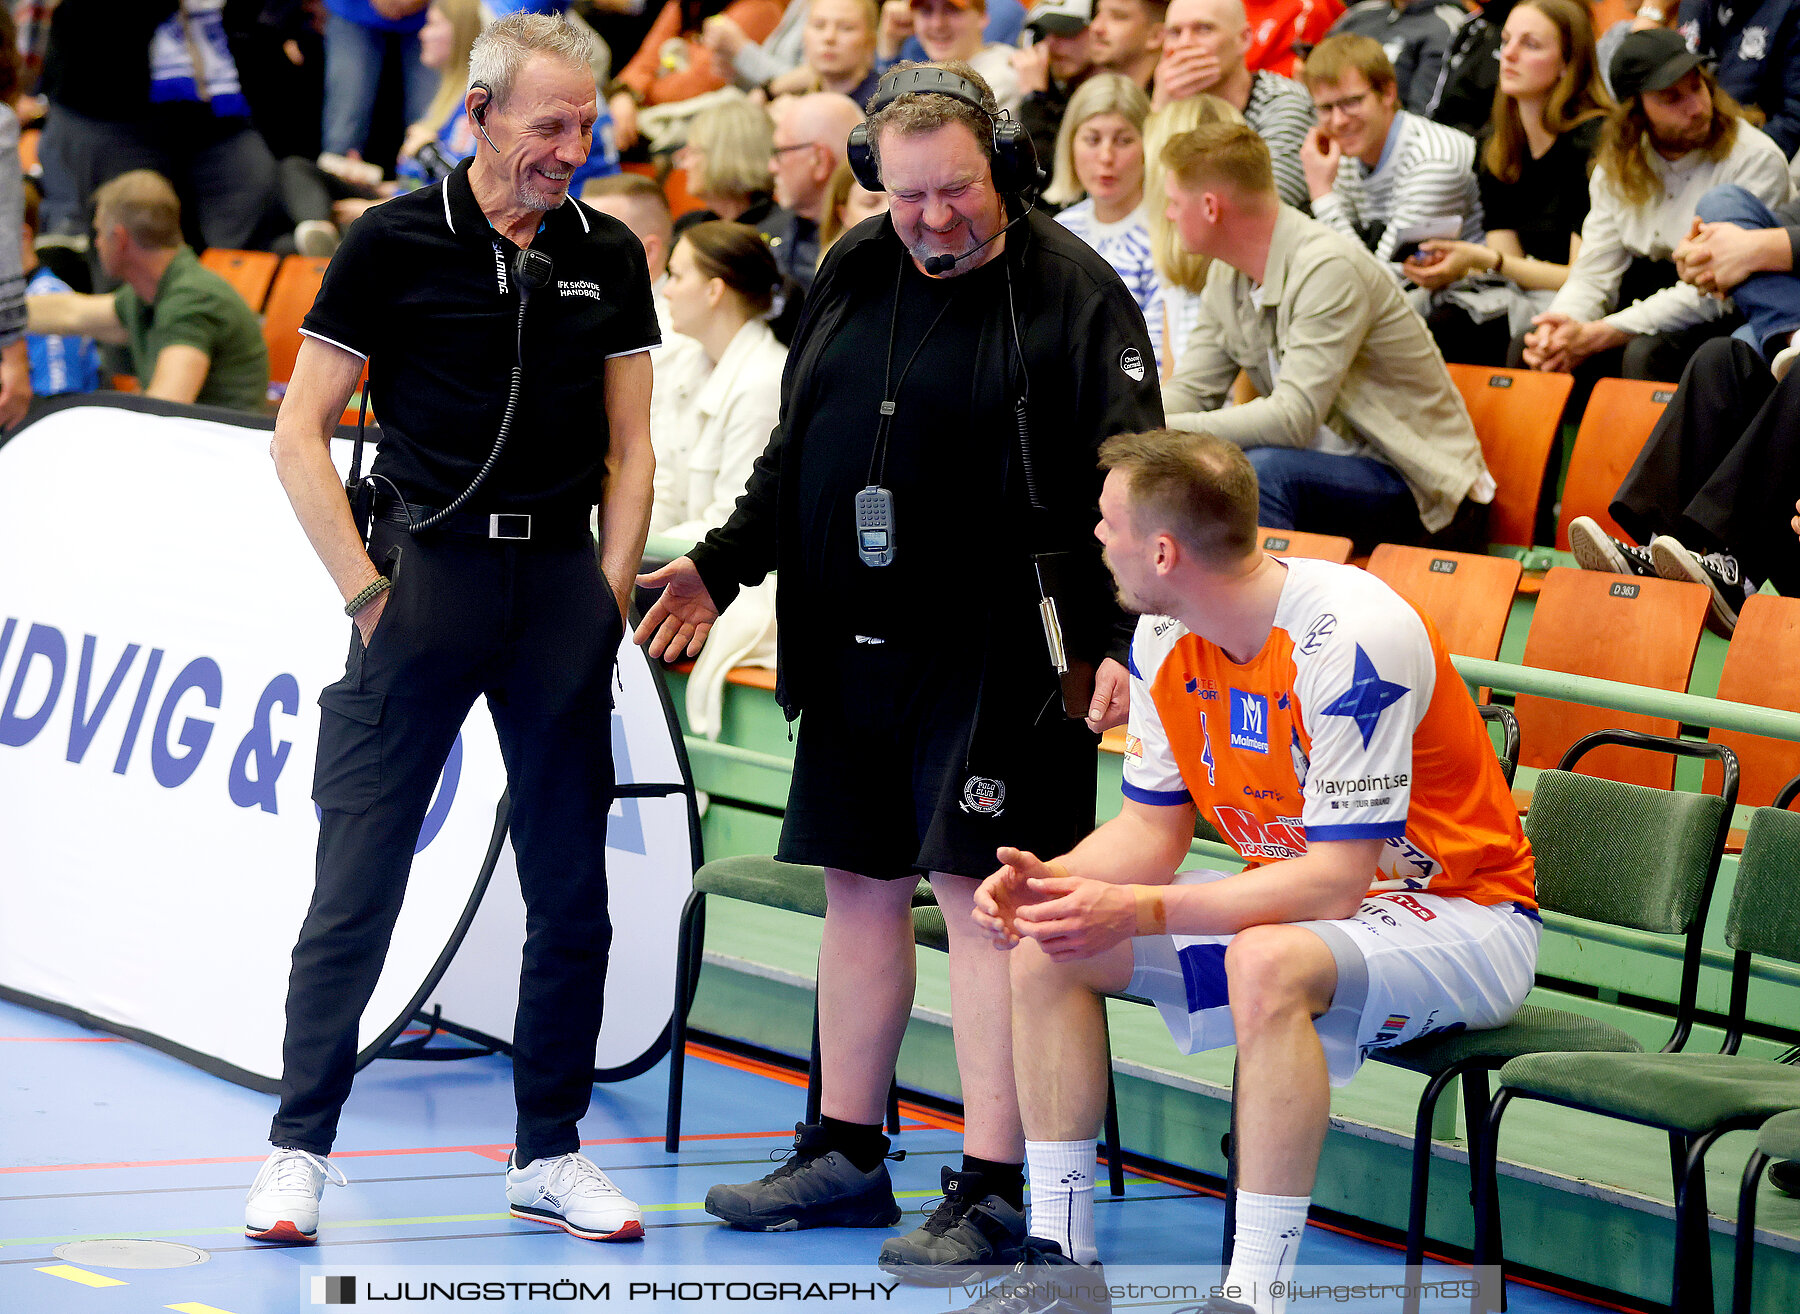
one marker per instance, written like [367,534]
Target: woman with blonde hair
[727,160]
[1532,169]
[1100,168]
[1181,272]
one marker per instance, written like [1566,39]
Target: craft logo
[1131,360]
[1395,1024]
[1250,721]
[334,1291]
[983,796]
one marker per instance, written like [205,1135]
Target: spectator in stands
[1378,173]
[678,364]
[838,52]
[1051,66]
[954,30]
[755,64]
[810,133]
[1414,34]
[1754,51]
[1283,32]
[1674,135]
[1346,932]
[1005,24]
[674,64]
[847,204]
[1705,498]
[1463,96]
[360,37]
[191,337]
[726,159]
[1099,180]
[151,84]
[1126,37]
[15,260]
[60,363]
[1203,51]
[1532,169]
[1181,272]
[1359,430]
[721,282]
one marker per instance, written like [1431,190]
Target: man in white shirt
[1673,137]
[1203,51]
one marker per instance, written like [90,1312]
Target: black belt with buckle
[497,526]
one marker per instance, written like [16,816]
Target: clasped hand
[1069,916]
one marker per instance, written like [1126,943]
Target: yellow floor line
[69,1273]
[196,1307]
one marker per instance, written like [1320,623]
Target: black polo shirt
[422,289]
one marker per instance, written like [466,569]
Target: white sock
[1062,1195]
[1266,1244]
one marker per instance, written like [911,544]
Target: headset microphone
[480,113]
[939,265]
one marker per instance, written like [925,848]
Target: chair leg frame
[1489,1246]
[689,944]
[1744,1252]
[1692,1283]
[1115,1146]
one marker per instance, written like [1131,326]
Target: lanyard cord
[891,386]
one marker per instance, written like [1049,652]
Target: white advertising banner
[164,631]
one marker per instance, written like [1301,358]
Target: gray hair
[918,113]
[505,47]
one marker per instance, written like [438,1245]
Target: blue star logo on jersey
[1367,697]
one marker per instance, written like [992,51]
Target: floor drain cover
[123,1252]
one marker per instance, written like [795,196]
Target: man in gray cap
[1673,137]
[1052,66]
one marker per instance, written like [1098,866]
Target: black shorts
[882,781]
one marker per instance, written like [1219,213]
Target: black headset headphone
[1015,161]
[479,113]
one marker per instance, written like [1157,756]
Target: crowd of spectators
[1547,184]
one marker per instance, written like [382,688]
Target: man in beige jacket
[1358,430]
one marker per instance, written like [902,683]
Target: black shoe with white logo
[1046,1281]
[971,1229]
[1595,549]
[815,1187]
[1719,571]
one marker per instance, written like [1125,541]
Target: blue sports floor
[102,1137]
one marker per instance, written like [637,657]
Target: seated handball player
[1314,716]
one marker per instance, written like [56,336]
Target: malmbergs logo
[334,1291]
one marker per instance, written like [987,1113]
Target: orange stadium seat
[1467,597]
[1613,627]
[1619,417]
[248,272]
[1293,543]
[1517,414]
[296,284]
[1759,668]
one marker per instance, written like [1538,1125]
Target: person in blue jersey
[1100,168]
[60,363]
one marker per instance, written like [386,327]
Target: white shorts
[1408,965]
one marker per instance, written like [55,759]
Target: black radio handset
[531,271]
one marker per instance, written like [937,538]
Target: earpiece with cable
[479,112]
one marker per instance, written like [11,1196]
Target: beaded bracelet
[381,585]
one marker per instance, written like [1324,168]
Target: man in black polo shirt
[503,596]
[934,726]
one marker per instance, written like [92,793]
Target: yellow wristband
[1152,917]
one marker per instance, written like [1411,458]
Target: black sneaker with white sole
[1046,1281]
[815,1187]
[1595,549]
[970,1230]
[1719,571]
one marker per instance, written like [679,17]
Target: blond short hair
[1215,153]
[144,204]
[1175,264]
[1101,93]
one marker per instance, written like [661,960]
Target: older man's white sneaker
[570,1192]
[284,1199]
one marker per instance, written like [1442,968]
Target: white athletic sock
[1267,1242]
[1062,1195]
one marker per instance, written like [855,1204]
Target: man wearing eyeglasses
[810,132]
[1376,172]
